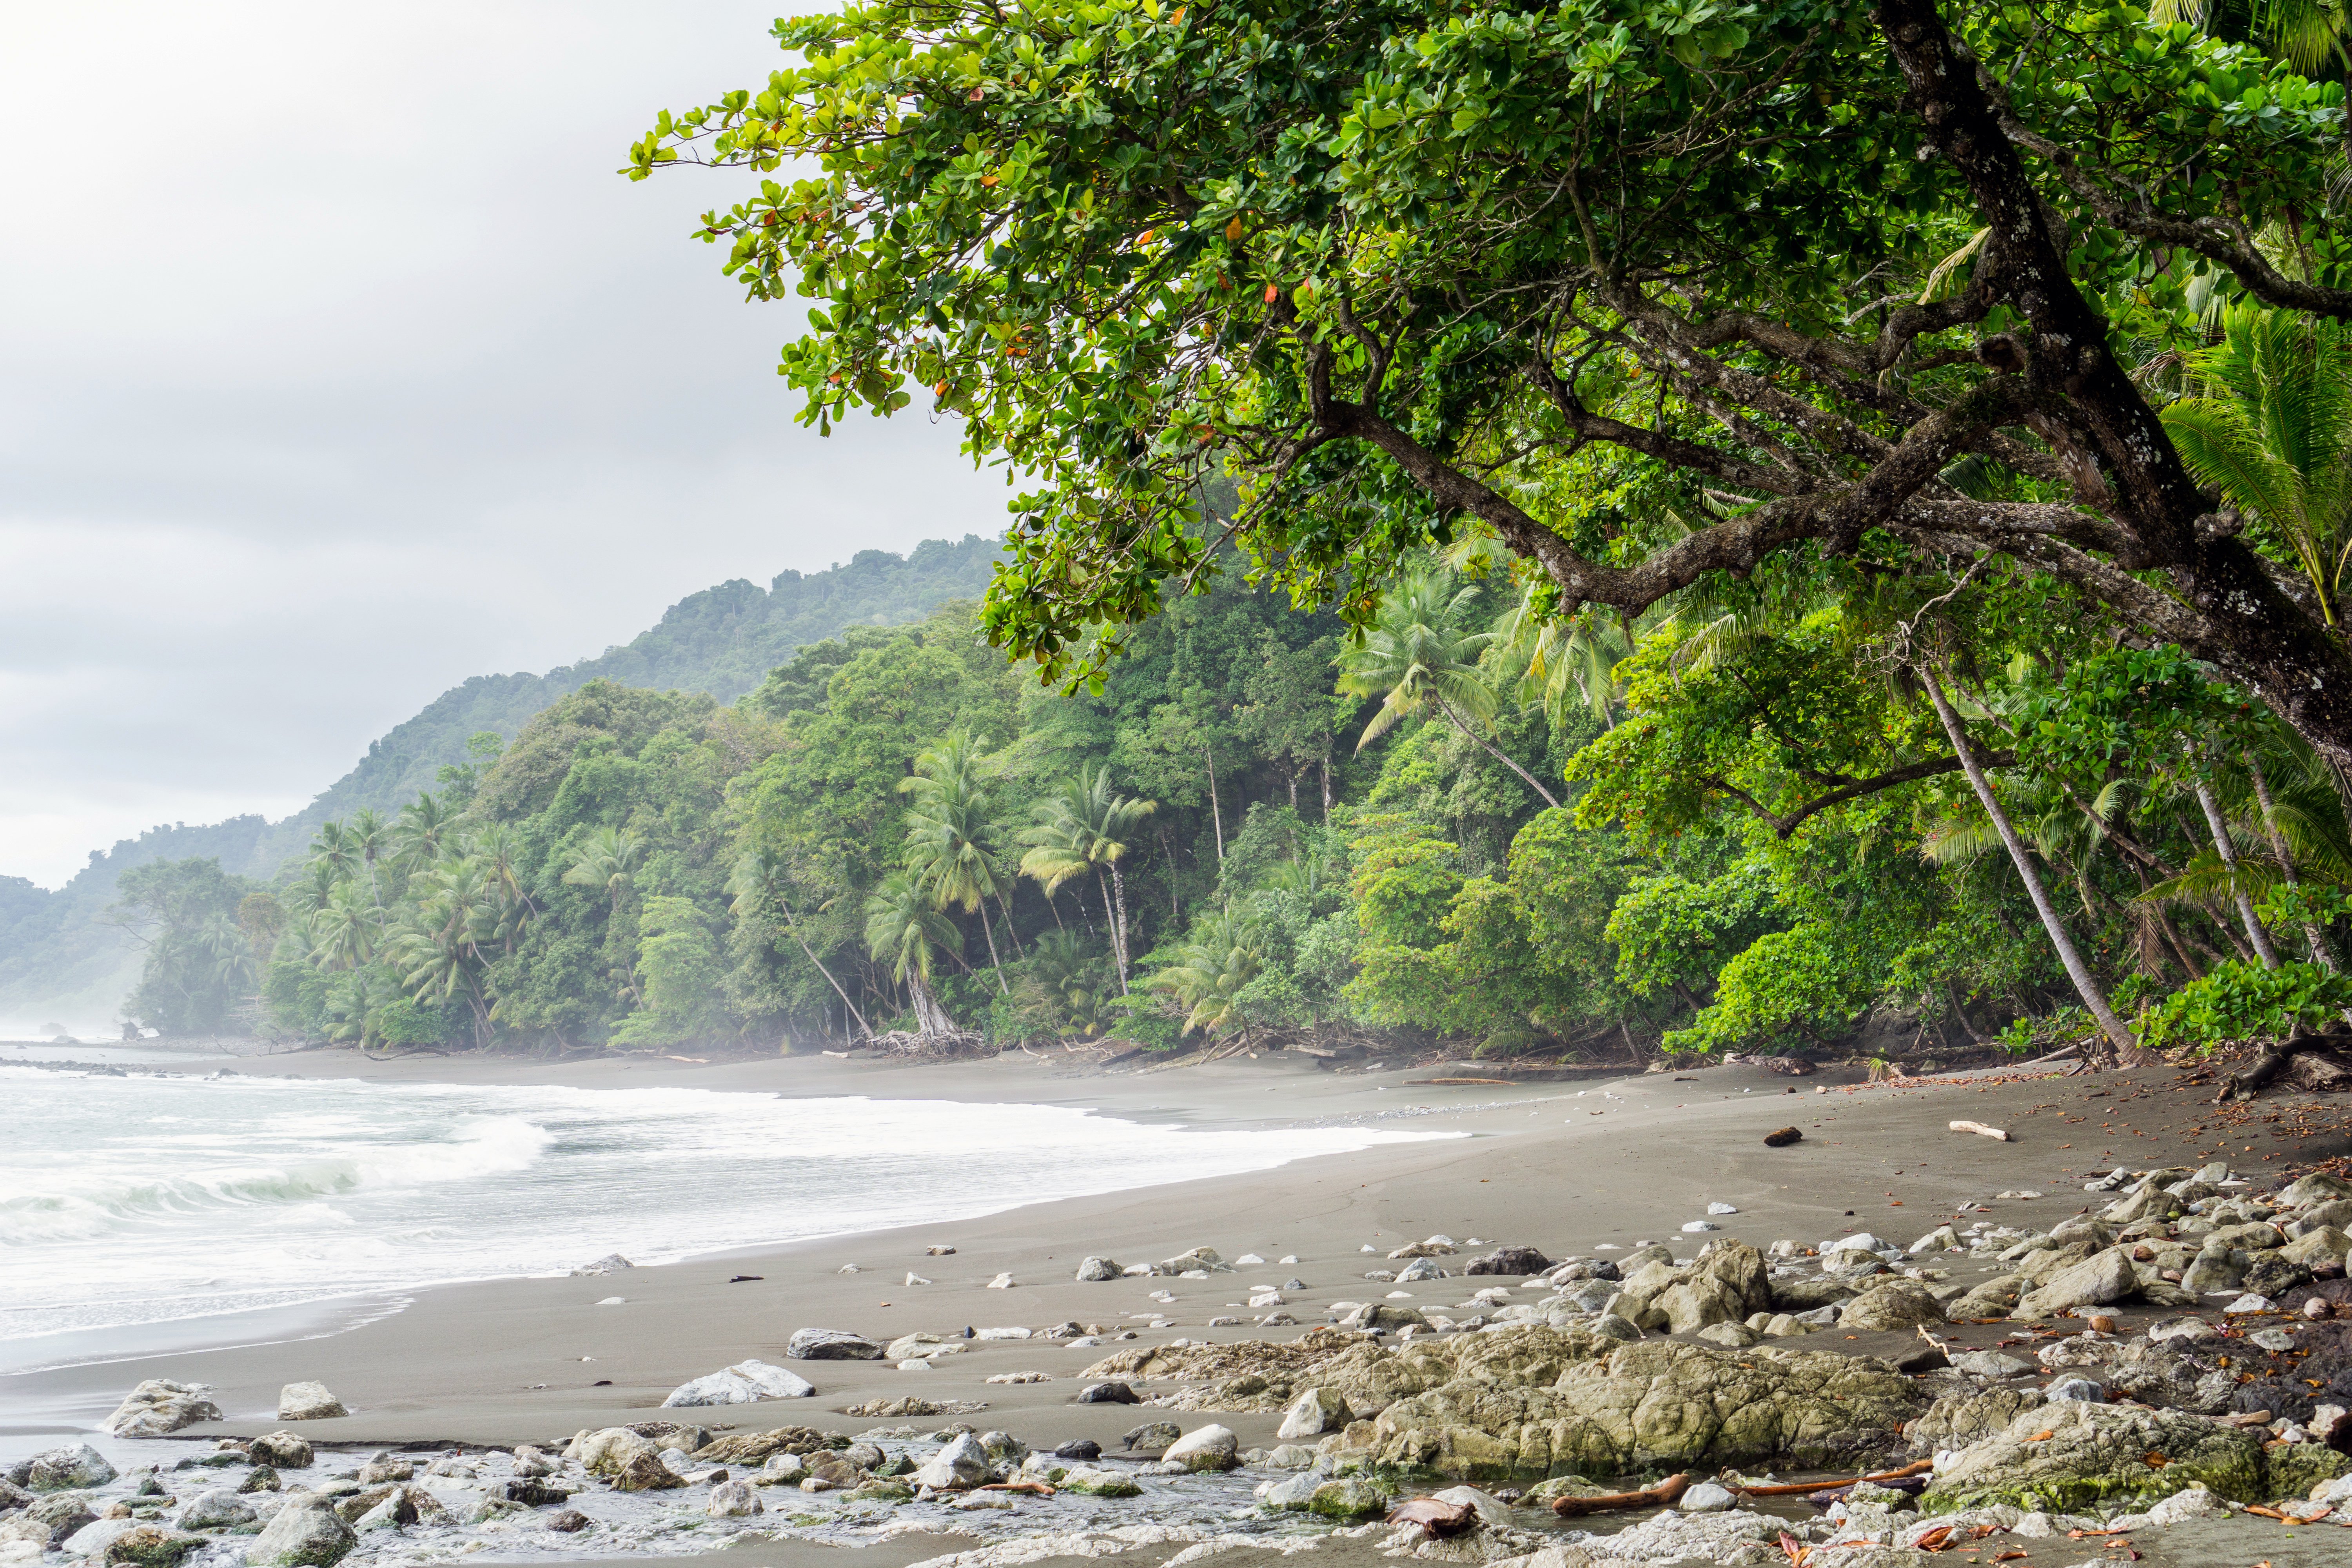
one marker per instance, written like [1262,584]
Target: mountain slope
[60,960]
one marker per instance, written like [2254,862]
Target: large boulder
[1958,1419]
[1893,1305]
[962,1463]
[1095,1270]
[280,1451]
[73,1467]
[2315,1188]
[2073,1458]
[831,1344]
[1510,1260]
[606,1450]
[217,1507]
[49,1520]
[158,1408]
[2314,1247]
[306,1533]
[1315,1412]
[745,1383]
[1808,1292]
[1661,1404]
[308,1402]
[152,1546]
[2098,1280]
[1211,1448]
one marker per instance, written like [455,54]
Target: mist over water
[147,1199]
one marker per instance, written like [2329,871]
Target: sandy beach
[1562,1166]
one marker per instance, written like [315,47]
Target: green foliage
[200,962]
[679,974]
[2239,1003]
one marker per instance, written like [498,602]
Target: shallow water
[149,1199]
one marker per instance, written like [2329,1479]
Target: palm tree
[1065,984]
[1561,662]
[345,927]
[425,832]
[1209,974]
[904,926]
[1087,828]
[761,874]
[2271,429]
[1417,656]
[331,848]
[952,839]
[369,837]
[609,859]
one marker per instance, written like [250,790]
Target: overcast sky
[337,365]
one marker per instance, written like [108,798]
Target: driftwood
[1982,1130]
[1435,1515]
[2312,1063]
[1806,1489]
[1665,1491]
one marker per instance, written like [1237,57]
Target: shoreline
[1560,1166]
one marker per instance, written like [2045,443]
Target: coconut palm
[904,928]
[345,927]
[1416,655]
[1066,985]
[2271,429]
[1559,662]
[425,832]
[1088,828]
[370,837]
[952,839]
[1209,973]
[331,848]
[609,859]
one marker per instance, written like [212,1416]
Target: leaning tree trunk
[2255,934]
[1447,708]
[1119,923]
[2321,954]
[2085,983]
[864,1027]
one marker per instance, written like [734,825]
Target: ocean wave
[119,1195]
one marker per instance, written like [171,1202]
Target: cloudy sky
[336,366]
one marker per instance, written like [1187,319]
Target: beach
[1562,1166]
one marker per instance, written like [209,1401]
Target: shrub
[2246,1002]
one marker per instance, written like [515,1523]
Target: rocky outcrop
[1654,1404]
[70,1468]
[158,1408]
[754,1448]
[2067,1457]
[1957,1420]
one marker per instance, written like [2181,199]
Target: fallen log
[1435,1515]
[1806,1488]
[2310,1062]
[1032,1488]
[1665,1492]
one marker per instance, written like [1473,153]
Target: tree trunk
[1447,708]
[1119,923]
[1216,813]
[791,925]
[1327,786]
[2085,983]
[1012,933]
[1294,794]
[2255,934]
[931,1018]
[987,930]
[2321,954]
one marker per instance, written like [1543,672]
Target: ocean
[148,1200]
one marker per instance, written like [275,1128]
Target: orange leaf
[1273,292]
[2154,1460]
[2042,1437]
[1234,231]
[990,179]
[1934,1540]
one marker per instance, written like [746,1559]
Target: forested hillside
[59,955]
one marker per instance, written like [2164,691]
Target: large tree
[1383,262]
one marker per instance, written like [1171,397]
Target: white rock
[1697,1226]
[1248,1260]
[914,1365]
[1721,1208]
[308,1402]
[915,1278]
[157,1407]
[1006,1333]
[613,1302]
[1705,1497]
[745,1383]
[92,1540]
[2182,1507]
[1210,1447]
[1287,1258]
[732,1499]
[1002,1282]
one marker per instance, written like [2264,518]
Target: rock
[611,1263]
[157,1407]
[1696,1226]
[1090,1481]
[280,1450]
[1808,1292]
[644,1470]
[1732,1336]
[92,1539]
[308,1402]
[1210,1447]
[1705,1497]
[384,1468]
[1420,1269]
[1781,1138]
[151,1546]
[1002,1282]
[961,1464]
[1289,1495]
[1992,1364]
[1151,1437]
[1510,1260]
[2096,1282]
[1896,1305]
[305,1531]
[73,1467]
[2314,1247]
[745,1383]
[2067,1457]
[732,1499]
[49,1520]
[1349,1499]
[262,1478]
[1315,1412]
[1079,1448]
[831,1344]
[1098,1269]
[2212,1273]
[2080,1390]
[220,1508]
[1106,1393]
[571,1521]
[1957,1420]
[2314,1188]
